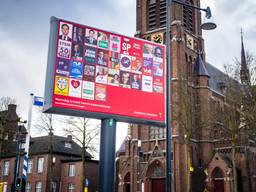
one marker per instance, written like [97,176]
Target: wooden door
[219,185]
[158,185]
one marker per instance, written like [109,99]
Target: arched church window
[155,170]
[217,173]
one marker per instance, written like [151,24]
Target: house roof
[39,145]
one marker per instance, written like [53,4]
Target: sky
[24,34]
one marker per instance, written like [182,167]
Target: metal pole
[107,155]
[138,166]
[168,97]
[17,159]
[26,150]
[189,5]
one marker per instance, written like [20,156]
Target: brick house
[66,163]
[204,163]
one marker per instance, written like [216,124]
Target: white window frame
[38,186]
[28,187]
[30,166]
[68,145]
[72,170]
[40,165]
[54,186]
[71,187]
[6,168]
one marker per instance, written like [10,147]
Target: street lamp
[207,25]
[19,140]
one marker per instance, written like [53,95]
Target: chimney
[12,107]
[69,138]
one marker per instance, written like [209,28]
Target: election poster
[99,72]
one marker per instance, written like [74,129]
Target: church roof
[218,80]
[199,68]
[122,147]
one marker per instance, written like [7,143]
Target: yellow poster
[61,86]
[1,187]
[157,38]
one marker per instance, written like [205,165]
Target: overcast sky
[24,34]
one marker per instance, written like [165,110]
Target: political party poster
[100,74]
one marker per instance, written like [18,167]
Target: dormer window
[6,136]
[68,145]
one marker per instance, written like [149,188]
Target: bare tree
[5,101]
[86,133]
[240,115]
[44,124]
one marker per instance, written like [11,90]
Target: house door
[158,185]
[219,185]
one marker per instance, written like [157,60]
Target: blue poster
[76,70]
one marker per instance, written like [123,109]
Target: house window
[30,166]
[38,186]
[53,185]
[6,168]
[40,164]
[71,170]
[22,145]
[28,187]
[157,132]
[71,187]
[6,136]
[68,145]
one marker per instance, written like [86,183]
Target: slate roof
[122,147]
[227,159]
[39,145]
[199,68]
[218,79]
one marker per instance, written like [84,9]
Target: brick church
[201,145]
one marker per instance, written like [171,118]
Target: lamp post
[17,159]
[138,166]
[208,25]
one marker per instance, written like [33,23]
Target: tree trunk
[234,166]
[83,156]
[51,154]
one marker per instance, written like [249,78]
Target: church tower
[141,161]
[244,71]
[187,50]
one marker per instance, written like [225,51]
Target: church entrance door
[219,185]
[158,185]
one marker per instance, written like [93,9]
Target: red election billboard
[96,73]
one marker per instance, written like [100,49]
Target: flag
[38,101]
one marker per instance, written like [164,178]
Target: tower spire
[244,71]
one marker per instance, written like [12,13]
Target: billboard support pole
[107,155]
[168,97]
